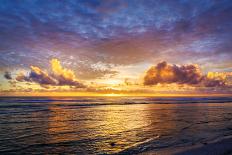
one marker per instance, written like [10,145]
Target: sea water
[110,125]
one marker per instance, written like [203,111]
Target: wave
[96,101]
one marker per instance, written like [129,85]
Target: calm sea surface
[109,125]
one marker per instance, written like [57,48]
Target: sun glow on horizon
[114,95]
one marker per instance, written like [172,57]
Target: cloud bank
[165,73]
[177,77]
[59,77]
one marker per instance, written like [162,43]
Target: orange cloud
[62,75]
[219,75]
[165,73]
[21,77]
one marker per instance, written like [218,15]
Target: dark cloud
[7,75]
[39,76]
[165,73]
[36,75]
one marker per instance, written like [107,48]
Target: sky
[115,47]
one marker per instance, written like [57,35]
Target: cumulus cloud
[7,75]
[59,77]
[165,73]
[62,75]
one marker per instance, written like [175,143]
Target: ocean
[110,125]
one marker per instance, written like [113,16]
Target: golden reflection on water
[113,128]
[123,125]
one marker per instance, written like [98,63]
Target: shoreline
[221,146]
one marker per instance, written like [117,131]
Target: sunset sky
[107,47]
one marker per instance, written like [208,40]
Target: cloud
[36,75]
[219,75]
[7,75]
[165,73]
[91,73]
[59,77]
[21,77]
[62,75]
[39,76]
